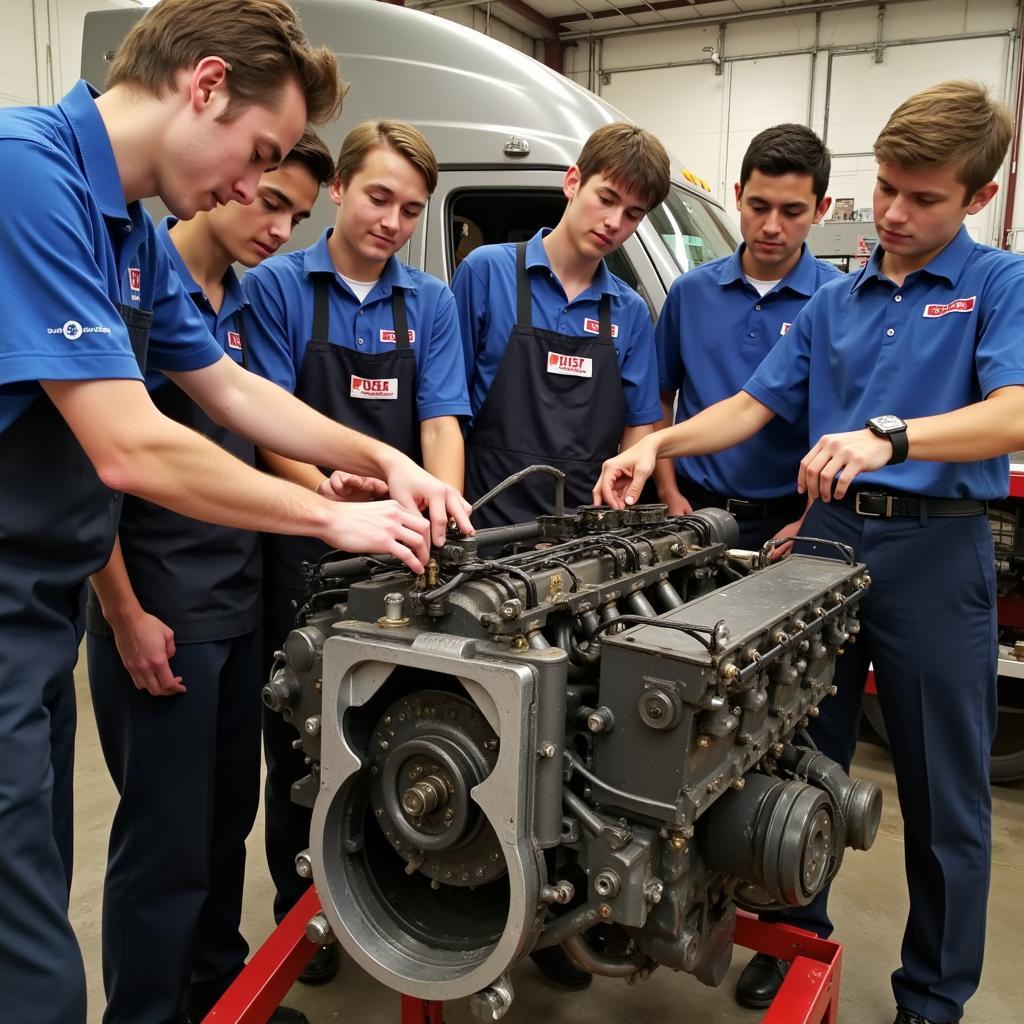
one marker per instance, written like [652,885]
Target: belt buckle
[887,514]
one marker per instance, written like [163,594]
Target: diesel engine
[585,731]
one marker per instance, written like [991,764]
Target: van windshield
[693,230]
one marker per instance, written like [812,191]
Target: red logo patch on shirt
[956,306]
[234,340]
[784,329]
[374,387]
[390,338]
[134,278]
[591,326]
[570,366]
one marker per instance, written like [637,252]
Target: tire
[1007,763]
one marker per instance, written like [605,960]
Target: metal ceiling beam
[617,12]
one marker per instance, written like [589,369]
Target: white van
[504,128]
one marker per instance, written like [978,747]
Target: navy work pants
[286,822]
[42,979]
[187,769]
[929,628]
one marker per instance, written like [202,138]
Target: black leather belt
[741,508]
[883,505]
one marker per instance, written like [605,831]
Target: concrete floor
[869,904]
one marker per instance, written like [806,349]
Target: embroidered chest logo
[390,338]
[570,366]
[234,340]
[784,329]
[374,387]
[956,306]
[135,281]
[591,326]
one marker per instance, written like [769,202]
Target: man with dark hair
[722,318]
[91,301]
[559,351]
[911,375]
[176,612]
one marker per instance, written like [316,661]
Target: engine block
[593,742]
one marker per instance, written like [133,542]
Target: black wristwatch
[895,430]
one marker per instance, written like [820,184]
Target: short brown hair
[400,136]
[261,41]
[950,123]
[629,155]
[311,151]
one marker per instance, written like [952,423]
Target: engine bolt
[547,750]
[605,911]
[703,742]
[416,771]
[312,724]
[833,690]
[607,884]
[318,930]
[813,712]
[304,865]
[448,816]
[777,749]
[737,783]
[653,891]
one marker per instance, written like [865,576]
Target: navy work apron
[201,579]
[374,393]
[557,399]
[57,526]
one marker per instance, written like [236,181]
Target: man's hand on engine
[146,646]
[415,488]
[340,486]
[380,528]
[623,477]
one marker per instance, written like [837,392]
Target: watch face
[888,424]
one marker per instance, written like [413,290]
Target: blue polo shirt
[712,334]
[863,346]
[485,292]
[223,324]
[280,292]
[74,249]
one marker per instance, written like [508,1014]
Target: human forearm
[114,589]
[300,473]
[714,429]
[443,450]
[274,419]
[664,469]
[982,430]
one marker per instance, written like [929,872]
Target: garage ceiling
[565,19]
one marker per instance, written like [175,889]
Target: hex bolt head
[304,865]
[318,930]
[312,725]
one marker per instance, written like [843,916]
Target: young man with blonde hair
[374,344]
[176,614]
[204,96]
[911,372]
[559,352]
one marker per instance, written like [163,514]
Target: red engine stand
[809,994]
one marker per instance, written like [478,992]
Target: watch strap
[900,446]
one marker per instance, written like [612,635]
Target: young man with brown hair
[374,344]
[206,95]
[559,352]
[911,373]
[176,612]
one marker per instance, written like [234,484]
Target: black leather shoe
[287,1015]
[559,971]
[905,1016]
[322,967]
[760,981]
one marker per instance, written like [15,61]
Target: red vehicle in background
[1007,519]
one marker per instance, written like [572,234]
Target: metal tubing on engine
[597,963]
[667,594]
[638,604]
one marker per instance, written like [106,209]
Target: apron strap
[239,320]
[524,303]
[398,312]
[605,317]
[321,312]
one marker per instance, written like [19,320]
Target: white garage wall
[807,69]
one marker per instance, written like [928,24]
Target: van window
[693,230]
[488,216]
